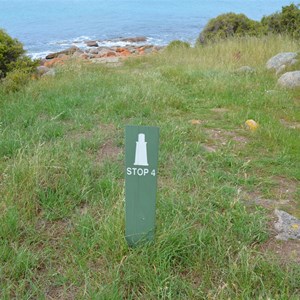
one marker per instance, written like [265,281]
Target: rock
[280,69]
[91,43]
[94,51]
[111,54]
[137,39]
[77,53]
[290,79]
[123,51]
[245,69]
[51,72]
[284,58]
[56,61]
[105,52]
[288,227]
[41,70]
[68,51]
[251,125]
[84,56]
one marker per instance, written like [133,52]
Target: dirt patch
[222,137]
[61,293]
[53,231]
[220,110]
[108,151]
[285,251]
[255,198]
[76,135]
[291,125]
[285,188]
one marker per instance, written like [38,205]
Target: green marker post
[141,158]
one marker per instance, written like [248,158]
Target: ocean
[45,26]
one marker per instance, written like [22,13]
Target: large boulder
[68,51]
[282,59]
[290,80]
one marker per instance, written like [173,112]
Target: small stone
[287,226]
[91,43]
[251,125]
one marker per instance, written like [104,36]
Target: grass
[62,178]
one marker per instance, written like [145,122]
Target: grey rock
[41,70]
[245,69]
[284,58]
[91,43]
[51,73]
[137,39]
[94,51]
[280,69]
[287,226]
[290,80]
[293,61]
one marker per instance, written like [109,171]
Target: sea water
[45,26]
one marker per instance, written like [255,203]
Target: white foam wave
[39,55]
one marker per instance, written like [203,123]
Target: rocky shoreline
[134,46]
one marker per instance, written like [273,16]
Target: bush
[14,80]
[15,68]
[10,51]
[285,22]
[178,44]
[229,25]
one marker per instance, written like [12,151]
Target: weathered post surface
[141,159]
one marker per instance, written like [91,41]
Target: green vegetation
[14,64]
[62,170]
[229,25]
[286,22]
[178,44]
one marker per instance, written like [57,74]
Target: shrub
[178,44]
[15,67]
[285,22]
[229,25]
[14,80]
[10,51]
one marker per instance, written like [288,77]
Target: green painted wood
[141,159]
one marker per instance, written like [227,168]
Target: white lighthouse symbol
[141,158]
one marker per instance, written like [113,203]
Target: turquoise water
[44,26]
